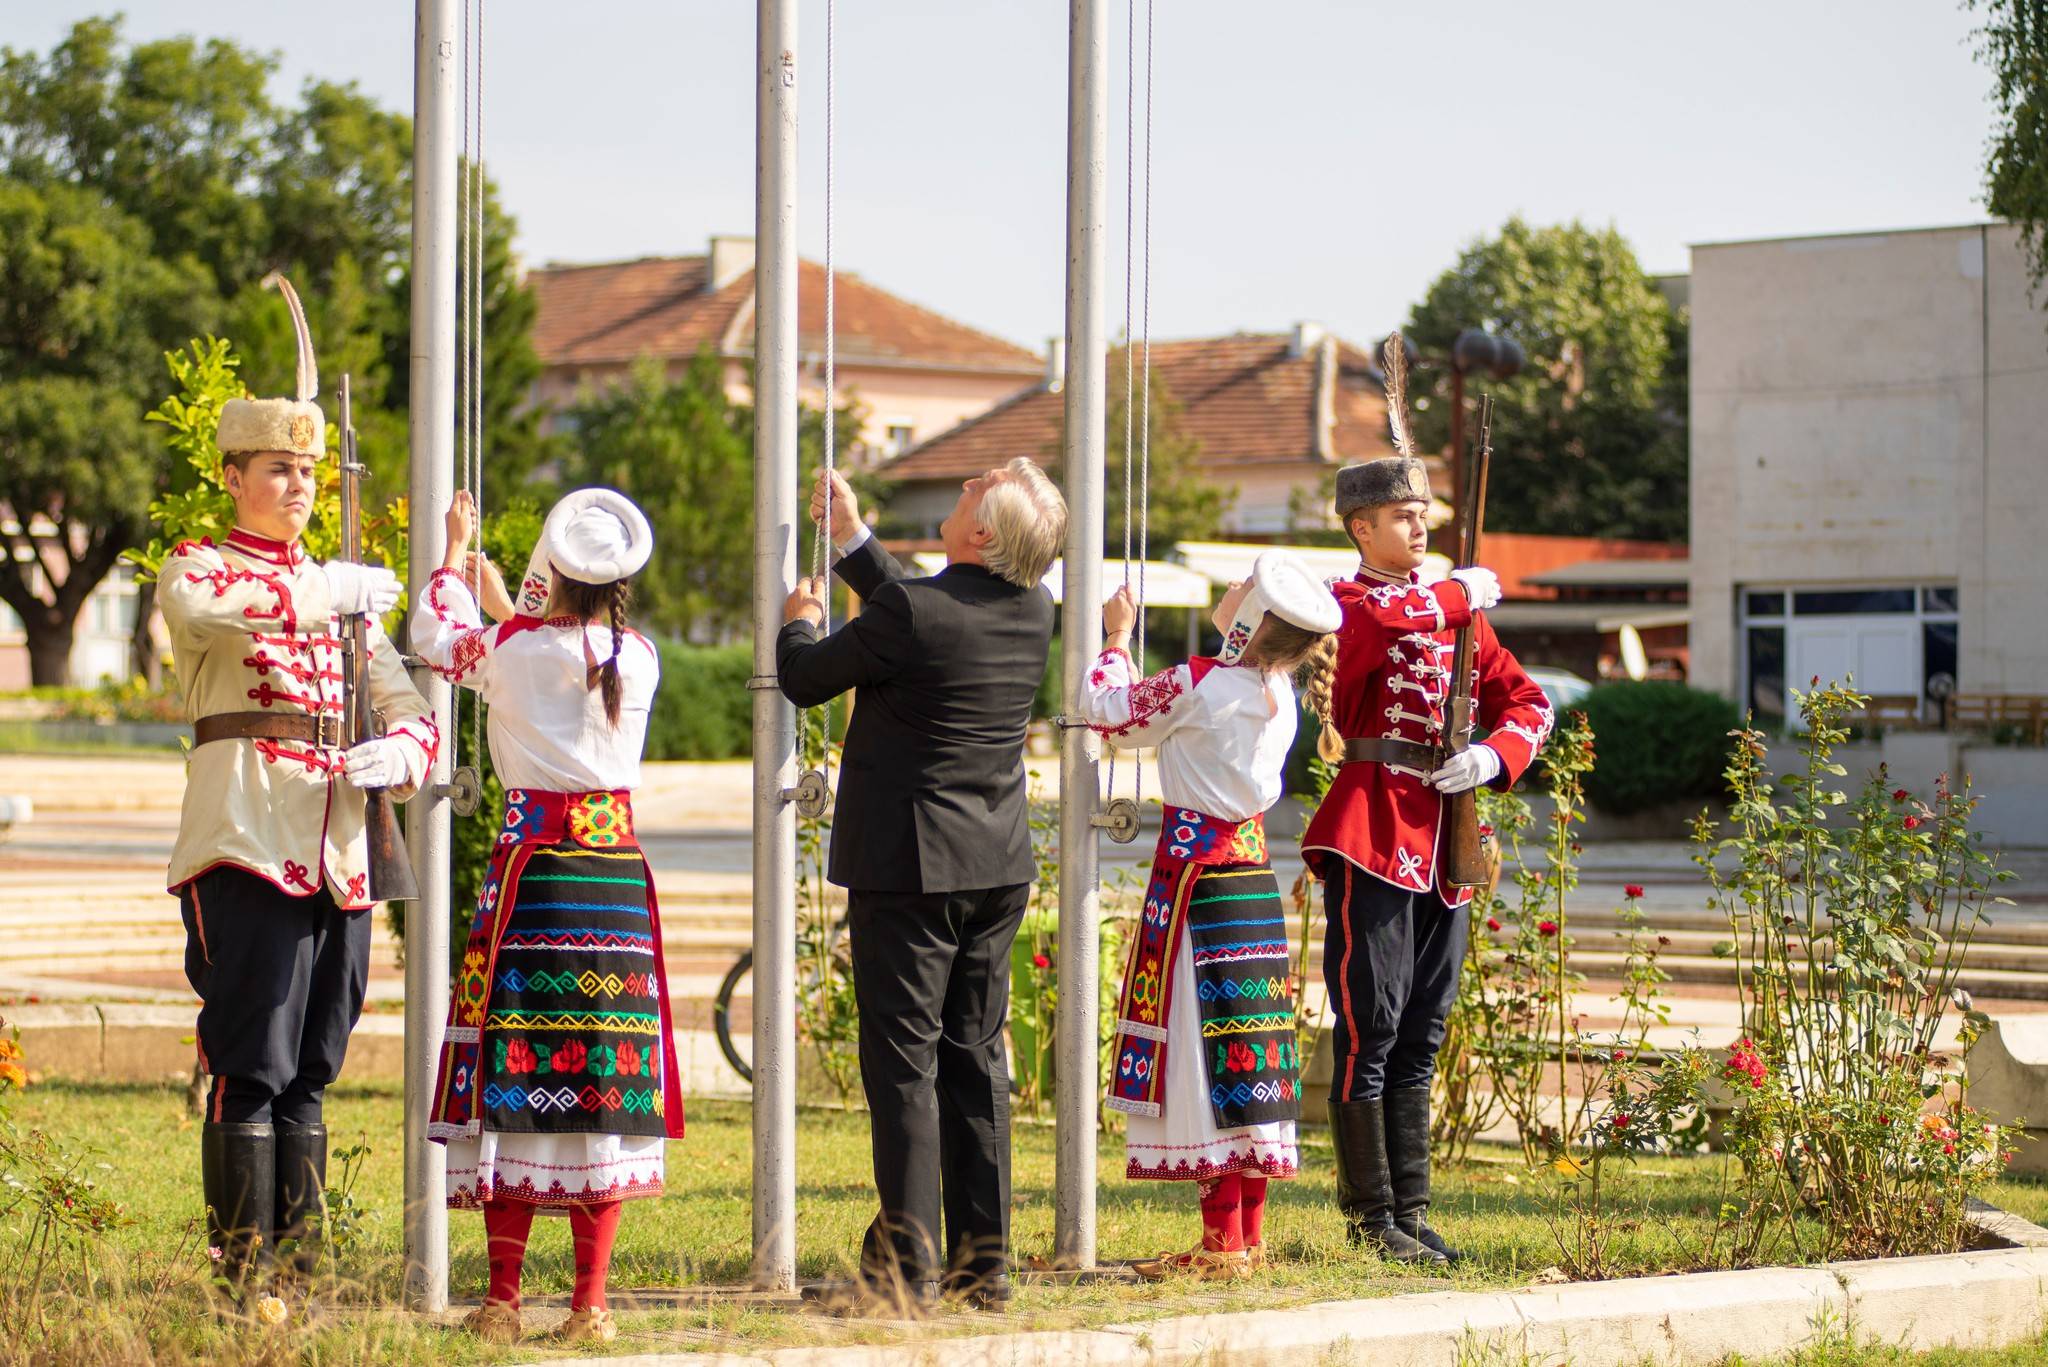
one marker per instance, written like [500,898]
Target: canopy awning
[1166,585]
[1222,562]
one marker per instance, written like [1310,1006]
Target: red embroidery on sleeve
[281,596]
[1150,698]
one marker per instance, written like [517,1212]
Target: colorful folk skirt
[559,1030]
[1213,893]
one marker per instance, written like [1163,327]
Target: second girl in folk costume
[558,1082]
[1205,1056]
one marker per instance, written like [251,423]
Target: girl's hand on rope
[491,596]
[833,488]
[806,601]
[1120,613]
[461,522]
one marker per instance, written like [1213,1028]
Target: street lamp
[1475,351]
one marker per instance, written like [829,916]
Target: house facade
[914,373]
[1869,477]
[1275,414]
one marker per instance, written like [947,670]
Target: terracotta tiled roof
[607,314]
[1248,399]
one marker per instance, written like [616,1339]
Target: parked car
[1560,686]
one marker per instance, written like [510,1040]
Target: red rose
[571,1057]
[1492,923]
[1547,927]
[1040,961]
[1632,890]
[519,1057]
[1900,795]
[1912,823]
[629,1058]
[1621,1122]
[1485,831]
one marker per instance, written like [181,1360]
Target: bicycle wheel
[721,1014]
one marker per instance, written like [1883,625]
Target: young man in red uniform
[1396,936]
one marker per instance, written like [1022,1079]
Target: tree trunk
[49,649]
[142,656]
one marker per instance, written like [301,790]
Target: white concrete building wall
[1869,411]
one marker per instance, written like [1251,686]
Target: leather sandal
[1203,1264]
[591,1324]
[494,1322]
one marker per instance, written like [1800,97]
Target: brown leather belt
[323,730]
[1407,753]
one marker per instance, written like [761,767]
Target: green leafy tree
[1180,504]
[145,191]
[2014,44]
[1589,439]
[685,452]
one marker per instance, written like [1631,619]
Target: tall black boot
[237,1170]
[301,1178]
[1365,1190]
[1407,1115]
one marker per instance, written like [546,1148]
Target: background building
[1869,467]
[914,373]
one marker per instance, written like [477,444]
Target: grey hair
[1027,521]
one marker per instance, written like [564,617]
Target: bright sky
[1319,159]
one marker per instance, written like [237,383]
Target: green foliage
[1590,437]
[1850,918]
[2014,44]
[1659,742]
[206,378]
[1178,502]
[702,709]
[145,190]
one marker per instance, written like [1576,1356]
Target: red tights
[1233,1211]
[593,1227]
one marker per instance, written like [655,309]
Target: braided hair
[587,602]
[1322,682]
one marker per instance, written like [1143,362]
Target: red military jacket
[1394,656]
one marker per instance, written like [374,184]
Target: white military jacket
[251,630]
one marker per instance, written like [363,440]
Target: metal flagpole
[1082,455]
[436,125]
[775,543]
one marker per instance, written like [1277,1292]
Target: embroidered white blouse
[1222,731]
[548,727]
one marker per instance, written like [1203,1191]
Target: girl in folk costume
[1206,1063]
[558,1081]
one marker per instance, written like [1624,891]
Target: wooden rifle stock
[1468,861]
[391,878]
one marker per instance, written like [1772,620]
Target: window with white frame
[1893,641]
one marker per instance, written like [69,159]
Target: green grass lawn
[151,1301]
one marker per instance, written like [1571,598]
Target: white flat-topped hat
[596,536]
[1285,587]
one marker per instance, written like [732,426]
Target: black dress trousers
[1391,962]
[931,973]
[281,980]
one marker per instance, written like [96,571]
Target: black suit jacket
[931,784]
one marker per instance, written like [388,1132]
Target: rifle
[391,877]
[1467,861]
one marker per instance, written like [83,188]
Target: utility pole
[431,485]
[775,542]
[1082,454]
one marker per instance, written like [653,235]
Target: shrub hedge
[702,710]
[1655,742]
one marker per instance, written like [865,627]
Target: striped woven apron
[559,1022]
[1211,881]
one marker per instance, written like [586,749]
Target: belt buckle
[327,730]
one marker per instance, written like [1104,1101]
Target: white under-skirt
[1183,1144]
[558,1170]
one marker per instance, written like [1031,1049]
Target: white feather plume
[1394,365]
[309,372]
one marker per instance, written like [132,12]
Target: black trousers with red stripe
[1391,961]
[281,981]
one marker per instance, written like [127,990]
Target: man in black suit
[930,839]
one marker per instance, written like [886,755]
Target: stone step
[2007,984]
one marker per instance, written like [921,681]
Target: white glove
[376,764]
[1481,585]
[1470,767]
[361,588]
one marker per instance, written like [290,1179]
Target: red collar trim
[287,553]
[1368,575]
